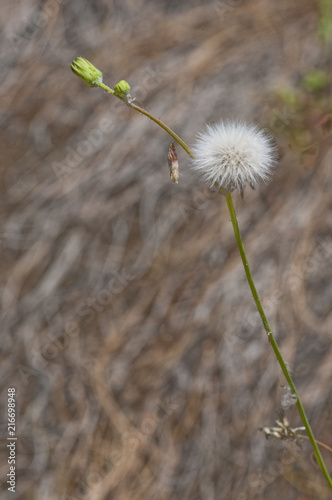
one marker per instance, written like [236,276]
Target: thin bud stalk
[105,87]
[165,127]
[153,118]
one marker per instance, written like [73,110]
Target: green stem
[105,87]
[153,118]
[252,287]
[272,339]
[165,127]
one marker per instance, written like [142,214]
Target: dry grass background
[128,329]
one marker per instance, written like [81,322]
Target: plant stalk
[272,339]
[153,118]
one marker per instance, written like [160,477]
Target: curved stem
[153,118]
[272,339]
[164,126]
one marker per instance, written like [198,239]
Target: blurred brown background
[128,330]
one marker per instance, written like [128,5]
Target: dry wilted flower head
[233,154]
[283,430]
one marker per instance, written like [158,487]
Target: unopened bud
[87,72]
[122,89]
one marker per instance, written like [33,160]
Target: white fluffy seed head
[232,154]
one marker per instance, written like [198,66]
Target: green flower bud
[85,70]
[122,89]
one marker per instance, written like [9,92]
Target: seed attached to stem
[173,164]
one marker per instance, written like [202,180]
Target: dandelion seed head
[231,155]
